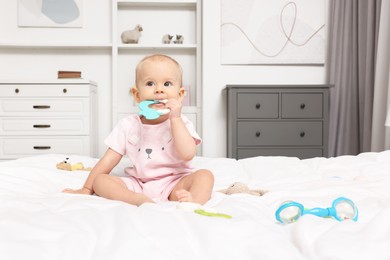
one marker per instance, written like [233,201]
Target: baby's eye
[150,83]
[168,84]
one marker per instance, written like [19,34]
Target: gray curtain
[380,136]
[350,67]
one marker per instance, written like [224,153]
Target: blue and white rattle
[342,209]
[151,113]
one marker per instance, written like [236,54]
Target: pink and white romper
[156,167]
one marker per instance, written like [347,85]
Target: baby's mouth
[160,104]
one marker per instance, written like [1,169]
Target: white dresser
[40,117]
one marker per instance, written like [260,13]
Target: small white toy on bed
[239,187]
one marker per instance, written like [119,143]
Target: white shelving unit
[184,19]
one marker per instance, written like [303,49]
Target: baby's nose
[159,89]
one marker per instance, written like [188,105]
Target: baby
[160,149]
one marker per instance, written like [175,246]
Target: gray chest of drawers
[277,120]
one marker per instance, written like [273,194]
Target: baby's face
[158,80]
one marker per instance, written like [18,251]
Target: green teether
[211,214]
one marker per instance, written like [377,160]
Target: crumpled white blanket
[37,221]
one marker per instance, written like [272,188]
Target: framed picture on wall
[272,32]
[50,13]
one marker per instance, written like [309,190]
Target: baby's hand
[79,191]
[175,106]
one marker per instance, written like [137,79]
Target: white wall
[95,64]
[217,76]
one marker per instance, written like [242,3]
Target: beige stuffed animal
[239,187]
[66,166]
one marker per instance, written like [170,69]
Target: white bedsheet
[37,221]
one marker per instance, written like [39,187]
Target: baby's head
[158,59]
[158,77]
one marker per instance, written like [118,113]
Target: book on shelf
[69,74]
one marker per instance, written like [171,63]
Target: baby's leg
[112,187]
[196,187]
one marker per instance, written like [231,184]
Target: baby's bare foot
[184,196]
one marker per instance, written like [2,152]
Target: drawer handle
[258,106]
[41,126]
[258,134]
[303,106]
[302,134]
[41,107]
[16,90]
[42,147]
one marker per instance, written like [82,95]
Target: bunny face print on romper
[151,149]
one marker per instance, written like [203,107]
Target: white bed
[37,221]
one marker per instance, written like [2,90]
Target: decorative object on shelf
[66,74]
[50,13]
[179,39]
[167,38]
[132,36]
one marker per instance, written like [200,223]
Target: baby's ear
[135,93]
[182,92]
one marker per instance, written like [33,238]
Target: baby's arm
[183,141]
[105,165]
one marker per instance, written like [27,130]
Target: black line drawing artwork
[287,42]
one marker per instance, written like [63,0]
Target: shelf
[157,46]
[157,3]
[157,17]
[55,45]
[47,81]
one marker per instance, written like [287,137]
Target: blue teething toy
[342,209]
[150,113]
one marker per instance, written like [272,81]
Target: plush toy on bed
[239,187]
[66,166]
